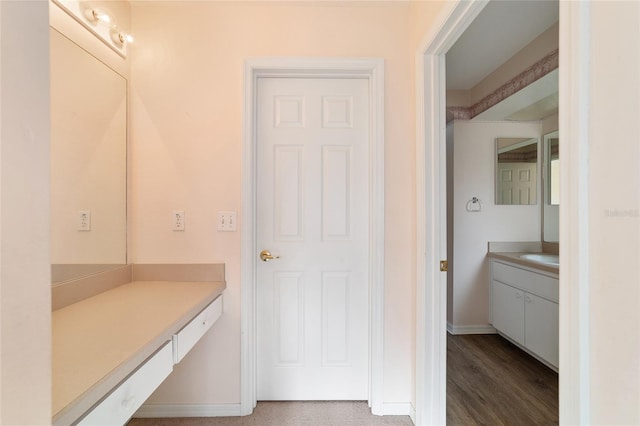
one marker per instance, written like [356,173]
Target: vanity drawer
[124,400]
[545,286]
[536,283]
[186,338]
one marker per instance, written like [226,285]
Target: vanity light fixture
[99,22]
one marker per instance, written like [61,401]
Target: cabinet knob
[518,295]
[528,299]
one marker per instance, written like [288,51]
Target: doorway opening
[498,106]
[431,215]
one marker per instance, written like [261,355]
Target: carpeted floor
[307,413]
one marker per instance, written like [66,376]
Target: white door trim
[373,70]
[431,229]
[431,214]
[574,125]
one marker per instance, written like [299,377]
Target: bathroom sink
[546,258]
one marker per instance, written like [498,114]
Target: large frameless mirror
[88,162]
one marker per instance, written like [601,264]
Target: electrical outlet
[178,220]
[227,221]
[84,220]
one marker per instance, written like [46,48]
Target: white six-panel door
[313,212]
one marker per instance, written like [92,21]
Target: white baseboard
[188,410]
[397,409]
[412,414]
[233,410]
[470,329]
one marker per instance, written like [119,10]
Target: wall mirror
[551,179]
[516,171]
[88,162]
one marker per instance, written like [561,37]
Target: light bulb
[97,16]
[127,37]
[121,38]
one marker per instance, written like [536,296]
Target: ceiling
[502,29]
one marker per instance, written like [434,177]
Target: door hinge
[444,265]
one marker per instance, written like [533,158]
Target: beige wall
[25,297]
[426,16]
[186,154]
[614,213]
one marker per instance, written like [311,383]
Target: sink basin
[546,258]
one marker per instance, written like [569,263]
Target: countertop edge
[514,257]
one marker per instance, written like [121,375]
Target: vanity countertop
[514,257]
[99,341]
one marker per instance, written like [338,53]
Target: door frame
[371,69]
[431,295]
[431,214]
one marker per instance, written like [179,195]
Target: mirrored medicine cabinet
[516,171]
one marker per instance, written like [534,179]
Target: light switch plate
[227,221]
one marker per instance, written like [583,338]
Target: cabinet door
[541,319]
[508,311]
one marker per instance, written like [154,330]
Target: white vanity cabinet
[508,311]
[541,328]
[524,308]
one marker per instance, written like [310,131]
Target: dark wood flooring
[492,382]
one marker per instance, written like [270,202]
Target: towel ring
[474,205]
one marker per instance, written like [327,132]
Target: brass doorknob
[265,256]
